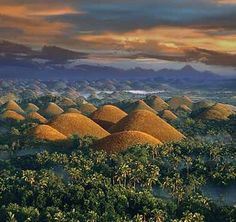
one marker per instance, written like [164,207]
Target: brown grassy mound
[185,109]
[67,102]
[45,132]
[37,116]
[10,114]
[108,115]
[168,115]
[87,108]
[73,110]
[12,105]
[31,108]
[157,103]
[202,105]
[120,141]
[139,105]
[77,124]
[149,123]
[176,102]
[53,110]
[219,111]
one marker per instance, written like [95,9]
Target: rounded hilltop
[138,105]
[48,133]
[77,124]
[177,101]
[149,123]
[31,108]
[156,103]
[87,108]
[12,105]
[73,110]
[53,110]
[67,102]
[122,140]
[107,115]
[12,115]
[184,108]
[37,116]
[203,104]
[219,111]
[168,115]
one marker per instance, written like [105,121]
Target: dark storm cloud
[123,16]
[211,57]
[205,56]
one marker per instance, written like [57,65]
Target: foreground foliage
[140,184]
[165,183]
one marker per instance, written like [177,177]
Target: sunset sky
[123,32]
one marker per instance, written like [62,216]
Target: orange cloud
[31,20]
[30,10]
[165,40]
[12,10]
[226,1]
[34,31]
[53,12]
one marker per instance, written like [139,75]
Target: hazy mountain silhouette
[18,61]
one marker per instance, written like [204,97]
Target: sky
[155,33]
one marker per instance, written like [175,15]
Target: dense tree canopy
[74,182]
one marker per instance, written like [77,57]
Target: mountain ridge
[18,61]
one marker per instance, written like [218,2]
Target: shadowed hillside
[122,140]
[218,111]
[176,102]
[37,116]
[12,115]
[87,108]
[156,103]
[168,115]
[149,123]
[53,110]
[12,105]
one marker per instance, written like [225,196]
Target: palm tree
[153,175]
[138,218]
[188,162]
[137,173]
[123,172]
[11,217]
[175,185]
[29,176]
[159,215]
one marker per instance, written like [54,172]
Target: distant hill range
[51,63]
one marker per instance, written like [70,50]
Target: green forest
[142,183]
